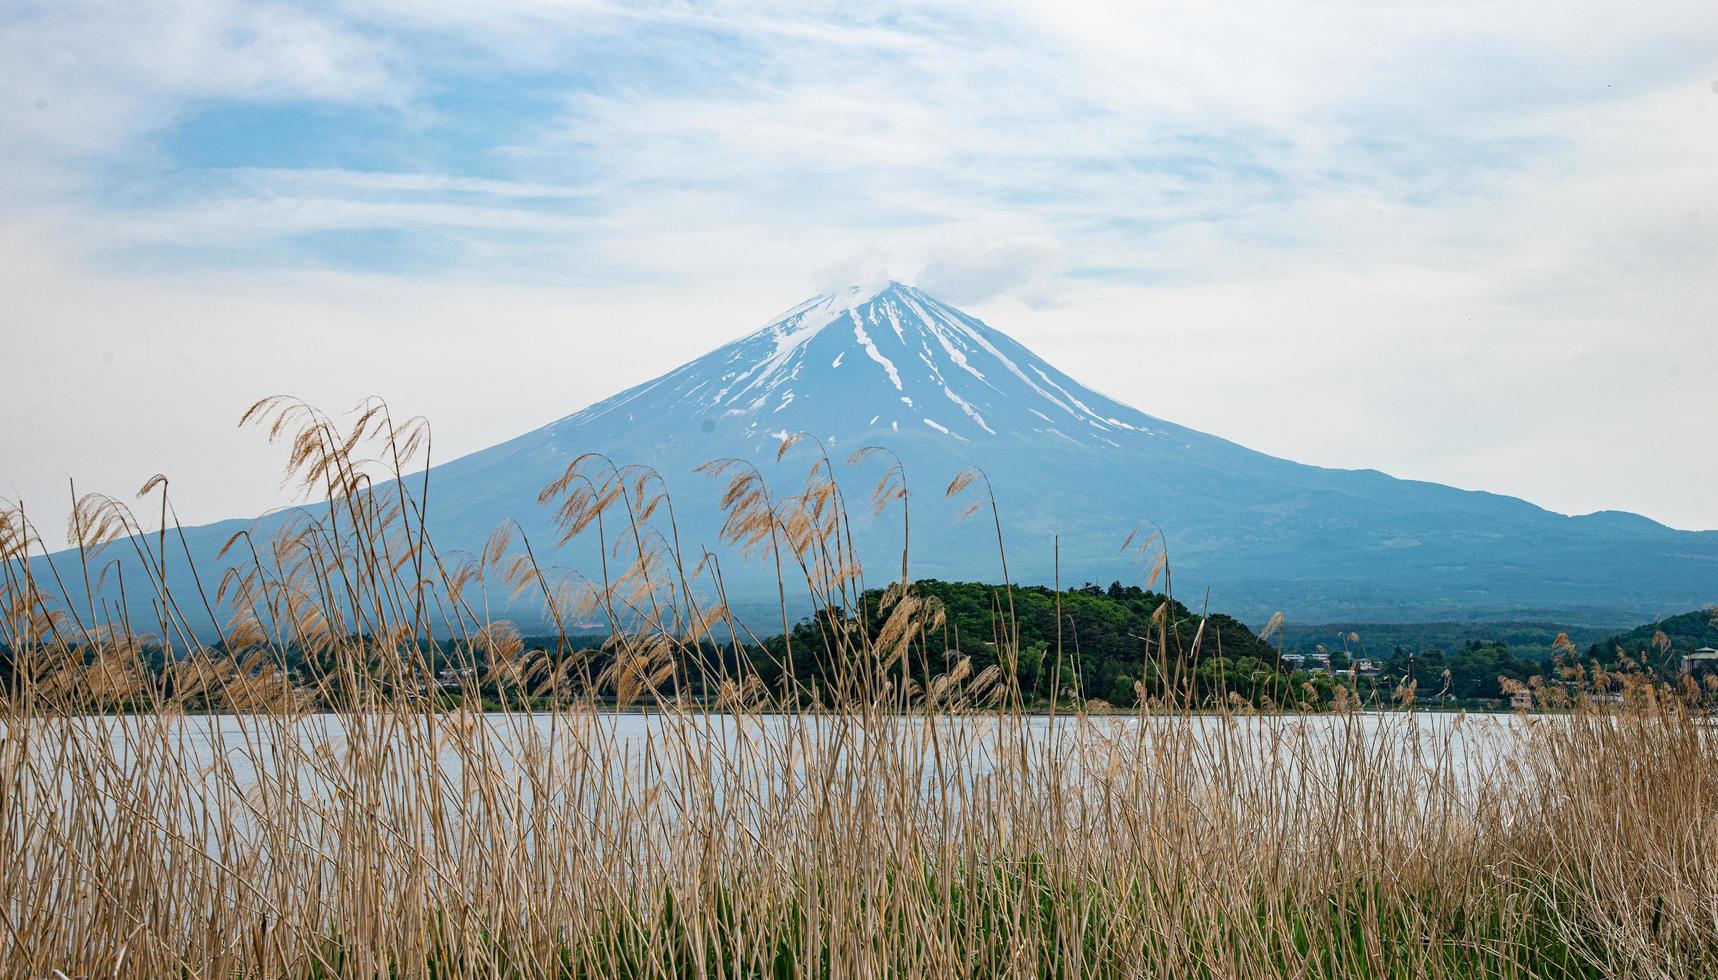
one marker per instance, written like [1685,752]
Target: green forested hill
[1682,634]
[1529,640]
[1097,643]
[1101,650]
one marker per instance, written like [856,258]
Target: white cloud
[978,269]
[86,77]
[867,268]
[1460,242]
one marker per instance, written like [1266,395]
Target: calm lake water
[234,748]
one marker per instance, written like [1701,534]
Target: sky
[1473,243]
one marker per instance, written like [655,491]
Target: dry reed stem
[868,827]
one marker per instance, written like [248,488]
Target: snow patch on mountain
[871,351]
[969,410]
[908,353]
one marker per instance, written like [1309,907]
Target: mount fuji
[895,367]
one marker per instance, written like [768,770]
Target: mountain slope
[896,368]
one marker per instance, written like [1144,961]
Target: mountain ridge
[1075,472]
[894,366]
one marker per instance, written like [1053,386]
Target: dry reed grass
[872,828]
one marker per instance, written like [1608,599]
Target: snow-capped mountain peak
[1075,473]
[887,359]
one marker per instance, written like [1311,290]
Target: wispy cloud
[979,269]
[92,77]
[1101,131]
[1287,186]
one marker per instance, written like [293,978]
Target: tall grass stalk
[350,818]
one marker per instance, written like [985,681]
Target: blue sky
[1473,243]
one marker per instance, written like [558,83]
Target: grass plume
[874,825]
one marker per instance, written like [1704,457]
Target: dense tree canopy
[1088,644]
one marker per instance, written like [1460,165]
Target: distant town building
[1705,656]
[1319,662]
[450,679]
